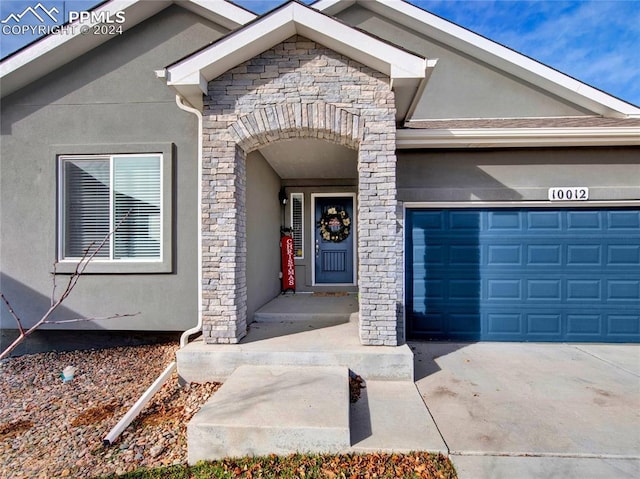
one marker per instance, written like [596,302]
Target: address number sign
[566,193]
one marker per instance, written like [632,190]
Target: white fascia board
[232,50]
[357,45]
[493,54]
[219,11]
[195,82]
[286,22]
[53,51]
[332,7]
[516,137]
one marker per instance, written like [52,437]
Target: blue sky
[594,41]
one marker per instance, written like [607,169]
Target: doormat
[337,293]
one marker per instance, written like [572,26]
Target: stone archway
[298,89]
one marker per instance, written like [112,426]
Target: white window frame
[299,196]
[160,264]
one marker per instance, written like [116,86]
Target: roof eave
[516,137]
[53,51]
[406,70]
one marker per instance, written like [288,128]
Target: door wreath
[334,225]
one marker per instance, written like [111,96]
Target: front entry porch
[304,329]
[286,386]
[311,95]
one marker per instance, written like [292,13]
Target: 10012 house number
[569,193]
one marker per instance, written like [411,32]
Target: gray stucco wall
[461,86]
[108,97]
[517,175]
[264,217]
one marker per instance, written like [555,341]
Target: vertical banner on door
[288,264]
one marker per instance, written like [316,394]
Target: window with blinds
[117,193]
[297,223]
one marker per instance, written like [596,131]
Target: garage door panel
[623,255]
[544,255]
[544,290]
[504,255]
[624,220]
[544,221]
[580,324]
[463,289]
[505,324]
[464,324]
[432,324]
[463,254]
[623,325]
[623,290]
[462,221]
[584,254]
[524,274]
[504,290]
[433,254]
[584,290]
[499,221]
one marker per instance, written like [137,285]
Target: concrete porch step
[308,307]
[273,409]
[390,416]
[281,410]
[296,343]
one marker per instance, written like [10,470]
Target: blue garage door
[523,274]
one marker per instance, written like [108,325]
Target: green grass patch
[420,465]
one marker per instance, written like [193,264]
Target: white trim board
[191,75]
[411,205]
[516,137]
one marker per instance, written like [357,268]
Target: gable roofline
[190,76]
[55,50]
[492,53]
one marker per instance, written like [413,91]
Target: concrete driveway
[523,410]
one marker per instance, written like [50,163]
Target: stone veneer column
[377,235]
[224,255]
[298,89]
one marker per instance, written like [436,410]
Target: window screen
[102,193]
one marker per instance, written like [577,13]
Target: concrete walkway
[262,410]
[286,387]
[510,410]
[501,410]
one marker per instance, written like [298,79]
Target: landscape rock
[53,429]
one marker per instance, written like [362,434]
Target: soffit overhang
[491,53]
[407,71]
[53,51]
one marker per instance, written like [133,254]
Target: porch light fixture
[282,196]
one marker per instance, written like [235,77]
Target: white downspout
[110,438]
[184,339]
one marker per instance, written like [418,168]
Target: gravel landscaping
[51,428]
